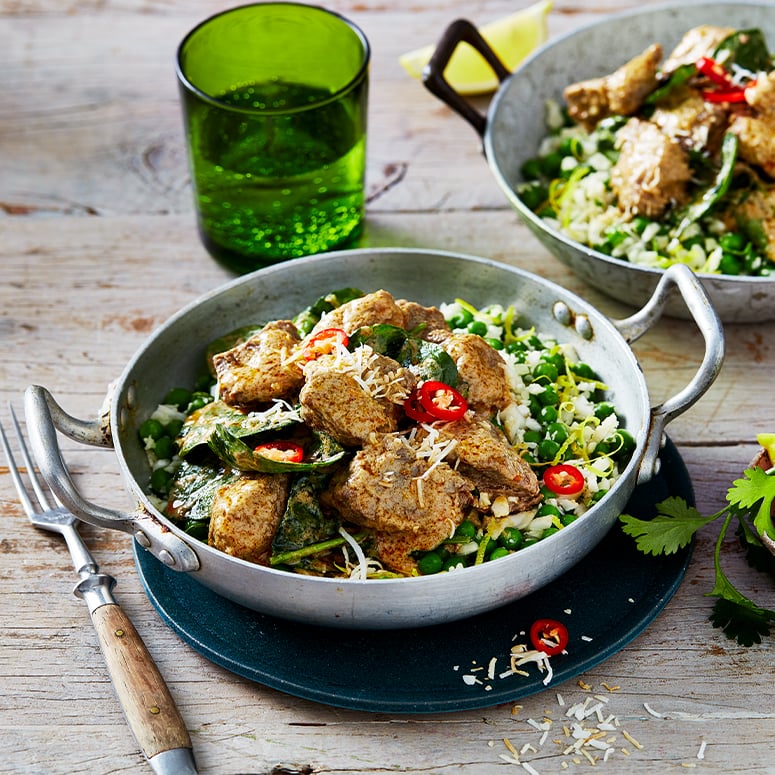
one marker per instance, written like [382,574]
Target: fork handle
[150,710]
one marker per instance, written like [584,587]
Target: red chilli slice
[281,451]
[549,636]
[564,479]
[325,342]
[442,401]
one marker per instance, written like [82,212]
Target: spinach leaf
[676,79]
[304,522]
[427,360]
[713,195]
[306,320]
[322,452]
[745,48]
[191,495]
[200,426]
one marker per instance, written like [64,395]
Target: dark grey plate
[606,600]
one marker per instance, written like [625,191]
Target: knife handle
[150,710]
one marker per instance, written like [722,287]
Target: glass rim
[333,97]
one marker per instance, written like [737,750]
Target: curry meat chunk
[424,322]
[245,515]
[260,369]
[694,123]
[755,211]
[761,94]
[652,172]
[482,371]
[368,310]
[756,141]
[698,42]
[620,93]
[483,454]
[411,504]
[352,396]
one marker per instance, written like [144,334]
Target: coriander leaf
[746,493]
[670,530]
[746,624]
[733,612]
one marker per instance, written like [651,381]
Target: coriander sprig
[750,502]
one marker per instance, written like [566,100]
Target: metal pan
[174,356]
[514,125]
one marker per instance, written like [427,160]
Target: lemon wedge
[512,38]
[767,440]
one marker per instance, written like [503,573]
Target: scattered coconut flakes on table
[588,732]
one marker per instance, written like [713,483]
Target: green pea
[198,402]
[161,481]
[466,529]
[548,450]
[173,428]
[179,397]
[498,552]
[152,428]
[556,359]
[571,146]
[548,397]
[531,169]
[548,415]
[732,241]
[533,437]
[453,562]
[533,195]
[556,431]
[568,519]
[730,264]
[461,320]
[478,327]
[164,448]
[429,564]
[516,347]
[583,370]
[511,538]
[599,495]
[627,444]
[546,370]
[551,164]
[496,344]
[604,409]
[550,531]
[546,509]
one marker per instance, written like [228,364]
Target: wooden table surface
[98,247]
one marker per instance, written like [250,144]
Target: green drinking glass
[274,99]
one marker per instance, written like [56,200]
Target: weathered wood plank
[98,248]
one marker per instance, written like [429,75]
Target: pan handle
[460,31]
[44,418]
[678,277]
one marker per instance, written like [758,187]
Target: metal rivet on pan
[166,558]
[562,313]
[142,539]
[123,417]
[131,396]
[584,327]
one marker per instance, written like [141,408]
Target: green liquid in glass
[274,185]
